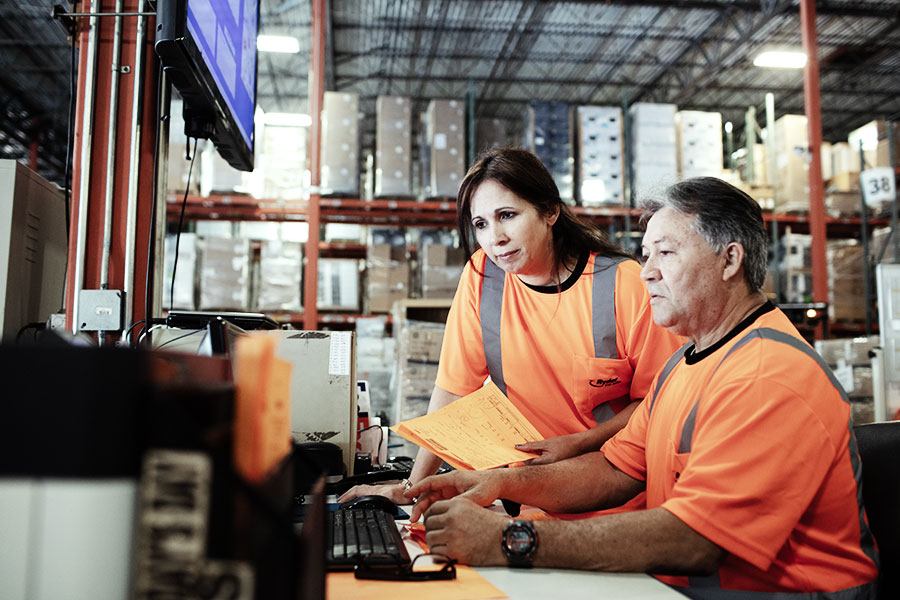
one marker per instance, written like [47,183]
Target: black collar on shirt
[692,358]
[570,280]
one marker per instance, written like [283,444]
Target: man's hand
[394,491]
[481,487]
[461,529]
[552,449]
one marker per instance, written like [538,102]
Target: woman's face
[512,233]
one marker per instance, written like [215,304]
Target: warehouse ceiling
[503,53]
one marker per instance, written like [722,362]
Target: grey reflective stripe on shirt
[664,374]
[861,592]
[603,306]
[491,306]
[603,317]
[687,431]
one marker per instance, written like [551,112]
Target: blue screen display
[225,33]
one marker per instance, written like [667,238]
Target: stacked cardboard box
[375,353]
[654,157]
[699,143]
[182,296]
[441,267]
[791,164]
[224,274]
[280,172]
[338,284]
[340,143]
[873,136]
[418,351]
[392,146]
[600,164]
[445,128]
[795,268]
[490,133]
[846,290]
[549,135]
[387,276]
[849,359]
[548,127]
[280,266]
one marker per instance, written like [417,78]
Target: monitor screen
[208,51]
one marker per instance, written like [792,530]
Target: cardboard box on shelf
[338,284]
[445,128]
[791,164]
[280,268]
[392,146]
[340,143]
[224,274]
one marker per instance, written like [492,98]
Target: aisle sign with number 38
[878,185]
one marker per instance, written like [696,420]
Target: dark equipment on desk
[356,534]
[366,570]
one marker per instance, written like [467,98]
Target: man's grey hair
[722,214]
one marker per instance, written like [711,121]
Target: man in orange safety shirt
[744,445]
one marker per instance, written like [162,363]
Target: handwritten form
[475,432]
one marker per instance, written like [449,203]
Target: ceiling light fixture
[781,59]
[278,43]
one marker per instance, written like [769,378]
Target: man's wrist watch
[519,543]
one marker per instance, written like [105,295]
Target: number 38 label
[878,185]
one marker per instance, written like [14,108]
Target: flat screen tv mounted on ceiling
[208,52]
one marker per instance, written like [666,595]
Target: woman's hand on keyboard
[394,491]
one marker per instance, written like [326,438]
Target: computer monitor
[33,247]
[208,52]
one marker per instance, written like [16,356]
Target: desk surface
[528,584]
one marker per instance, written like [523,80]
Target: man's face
[682,272]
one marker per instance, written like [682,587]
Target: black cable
[380,441]
[67,185]
[187,187]
[36,326]
[175,339]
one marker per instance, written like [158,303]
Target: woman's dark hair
[522,173]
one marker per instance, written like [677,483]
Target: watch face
[518,540]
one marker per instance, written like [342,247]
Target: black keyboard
[363,532]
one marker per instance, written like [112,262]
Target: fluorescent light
[781,59]
[287,119]
[728,127]
[277,43]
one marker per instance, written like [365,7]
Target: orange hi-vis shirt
[766,467]
[549,367]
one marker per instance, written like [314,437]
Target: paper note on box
[476,432]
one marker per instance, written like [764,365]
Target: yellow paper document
[475,432]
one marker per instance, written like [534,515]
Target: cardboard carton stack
[548,127]
[849,359]
[791,164]
[340,143]
[446,148]
[375,353]
[280,267]
[183,294]
[654,157]
[392,147]
[441,267]
[338,284]
[795,269]
[490,133]
[699,143]
[418,352]
[387,276]
[224,273]
[600,152]
[280,163]
[846,288]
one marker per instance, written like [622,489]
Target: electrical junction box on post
[100,310]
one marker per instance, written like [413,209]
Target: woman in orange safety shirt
[554,313]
